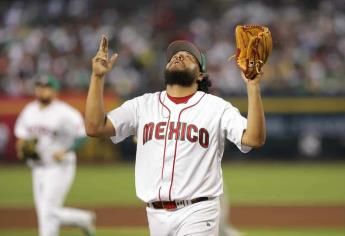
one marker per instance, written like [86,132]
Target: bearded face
[44,94]
[182,69]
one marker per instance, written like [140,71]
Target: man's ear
[200,77]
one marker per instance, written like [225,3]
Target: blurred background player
[226,228]
[59,130]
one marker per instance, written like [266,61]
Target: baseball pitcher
[181,134]
[48,131]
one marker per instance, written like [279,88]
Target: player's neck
[180,91]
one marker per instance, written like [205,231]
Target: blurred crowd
[61,36]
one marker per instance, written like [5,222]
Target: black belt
[169,205]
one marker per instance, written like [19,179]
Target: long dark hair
[204,84]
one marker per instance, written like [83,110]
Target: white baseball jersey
[180,146]
[55,127]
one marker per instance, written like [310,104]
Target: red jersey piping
[165,142]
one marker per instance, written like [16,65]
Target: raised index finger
[103,46]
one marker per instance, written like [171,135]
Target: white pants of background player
[225,228]
[50,186]
[199,219]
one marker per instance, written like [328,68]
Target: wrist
[251,85]
[97,76]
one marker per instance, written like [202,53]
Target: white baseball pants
[199,219]
[50,186]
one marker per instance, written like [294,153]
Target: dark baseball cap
[183,45]
[48,80]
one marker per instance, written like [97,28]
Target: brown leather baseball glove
[28,150]
[254,45]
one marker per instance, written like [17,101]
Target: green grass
[104,185]
[144,232]
[15,187]
[286,184]
[300,184]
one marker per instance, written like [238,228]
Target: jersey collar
[163,96]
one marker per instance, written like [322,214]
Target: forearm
[94,110]
[96,123]
[19,145]
[255,134]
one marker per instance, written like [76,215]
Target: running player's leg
[65,215]
[42,182]
[39,190]
[225,227]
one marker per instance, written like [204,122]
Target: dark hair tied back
[204,84]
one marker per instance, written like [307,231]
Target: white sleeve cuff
[114,138]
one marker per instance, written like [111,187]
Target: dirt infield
[242,216]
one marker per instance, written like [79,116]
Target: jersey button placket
[169,159]
[165,184]
[171,153]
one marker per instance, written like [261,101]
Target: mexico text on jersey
[176,131]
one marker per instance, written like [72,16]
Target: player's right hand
[101,64]
[59,155]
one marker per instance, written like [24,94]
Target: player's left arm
[255,133]
[19,148]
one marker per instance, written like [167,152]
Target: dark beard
[183,78]
[45,101]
